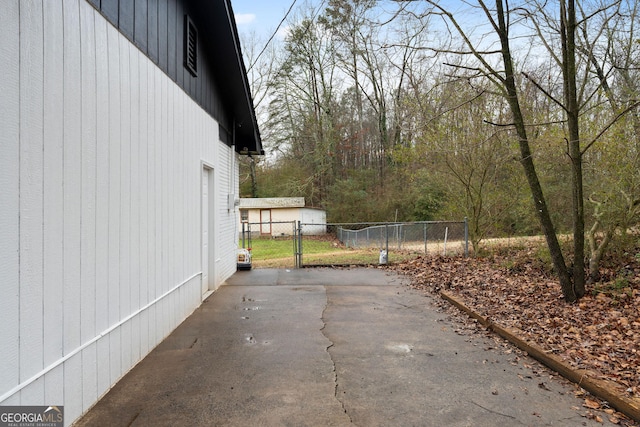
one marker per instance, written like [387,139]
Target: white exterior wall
[304,215]
[287,214]
[313,216]
[254,215]
[227,219]
[277,214]
[100,168]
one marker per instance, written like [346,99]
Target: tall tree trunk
[568,33]
[526,160]
[254,178]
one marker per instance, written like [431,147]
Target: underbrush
[619,271]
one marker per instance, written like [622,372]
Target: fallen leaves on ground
[600,333]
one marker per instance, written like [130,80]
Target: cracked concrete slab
[398,359]
[335,376]
[327,347]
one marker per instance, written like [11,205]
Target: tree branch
[608,125]
[543,90]
[557,122]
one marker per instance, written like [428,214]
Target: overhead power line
[273,35]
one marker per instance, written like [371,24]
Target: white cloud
[245,18]
[283,32]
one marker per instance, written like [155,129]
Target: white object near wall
[232,202]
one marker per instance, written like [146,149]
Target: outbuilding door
[265,222]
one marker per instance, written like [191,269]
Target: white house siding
[100,170]
[225,232]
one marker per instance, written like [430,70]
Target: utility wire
[273,35]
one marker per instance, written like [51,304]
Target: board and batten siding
[157,29]
[100,208]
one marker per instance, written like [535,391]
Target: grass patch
[341,256]
[282,248]
[278,253]
[262,249]
[356,257]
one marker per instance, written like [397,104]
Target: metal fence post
[386,228]
[466,237]
[299,254]
[425,239]
[295,244]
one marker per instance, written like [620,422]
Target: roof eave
[236,91]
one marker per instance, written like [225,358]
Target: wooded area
[419,110]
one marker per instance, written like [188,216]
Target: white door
[207,229]
[265,222]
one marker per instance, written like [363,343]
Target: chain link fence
[379,243]
[294,244]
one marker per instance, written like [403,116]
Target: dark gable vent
[190,46]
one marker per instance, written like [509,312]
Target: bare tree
[611,53]
[303,105]
[260,70]
[505,80]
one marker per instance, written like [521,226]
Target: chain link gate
[272,244]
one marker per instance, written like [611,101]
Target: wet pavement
[331,347]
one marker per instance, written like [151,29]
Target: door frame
[208,249]
[265,226]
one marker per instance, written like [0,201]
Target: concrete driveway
[327,347]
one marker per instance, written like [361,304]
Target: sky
[261,16]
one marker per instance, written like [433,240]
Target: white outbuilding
[268,215]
